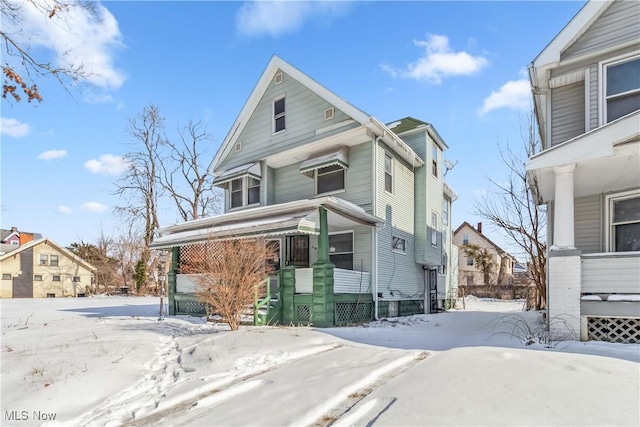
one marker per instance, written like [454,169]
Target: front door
[297,251]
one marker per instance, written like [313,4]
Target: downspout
[374,237]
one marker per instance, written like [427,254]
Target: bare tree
[127,250]
[228,274]
[483,260]
[514,209]
[183,176]
[19,78]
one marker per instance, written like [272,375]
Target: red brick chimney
[479,228]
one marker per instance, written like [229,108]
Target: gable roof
[496,247]
[5,234]
[410,124]
[61,249]
[276,63]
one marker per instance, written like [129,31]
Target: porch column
[322,298]
[563,234]
[172,279]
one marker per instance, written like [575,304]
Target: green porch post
[172,279]
[287,291]
[322,312]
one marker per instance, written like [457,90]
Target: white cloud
[439,61]
[107,164]
[13,127]
[52,154]
[64,210]
[515,95]
[80,37]
[93,207]
[280,17]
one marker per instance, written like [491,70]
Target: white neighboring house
[586,87]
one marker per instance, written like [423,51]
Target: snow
[625,297]
[591,298]
[109,361]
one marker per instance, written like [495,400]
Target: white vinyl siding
[567,112]
[617,25]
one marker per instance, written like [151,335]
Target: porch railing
[344,281]
[611,273]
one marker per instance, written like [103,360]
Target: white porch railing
[611,273]
[344,281]
[185,283]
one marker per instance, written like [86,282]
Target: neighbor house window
[244,191]
[278,115]
[44,259]
[434,160]
[341,250]
[6,276]
[329,179]
[434,229]
[388,173]
[469,280]
[624,213]
[398,244]
[465,239]
[55,278]
[445,212]
[622,88]
[15,243]
[53,260]
[37,277]
[76,279]
[443,267]
[469,260]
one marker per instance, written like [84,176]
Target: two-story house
[470,274]
[355,205]
[42,268]
[586,87]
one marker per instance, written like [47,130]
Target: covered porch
[324,269]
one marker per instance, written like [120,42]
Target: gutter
[405,151]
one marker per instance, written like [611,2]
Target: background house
[586,86]
[13,238]
[471,275]
[301,163]
[42,268]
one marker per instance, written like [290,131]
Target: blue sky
[458,65]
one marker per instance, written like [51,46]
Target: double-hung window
[621,88]
[434,229]
[329,179]
[279,115]
[388,173]
[465,239]
[445,212]
[624,213]
[44,259]
[54,260]
[244,191]
[434,161]
[341,250]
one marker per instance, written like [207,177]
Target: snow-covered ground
[109,361]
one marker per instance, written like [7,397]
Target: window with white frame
[434,160]
[341,250]
[621,83]
[624,217]
[279,115]
[15,243]
[55,278]
[244,191]
[469,260]
[329,179]
[388,173]
[465,239]
[445,212]
[398,244]
[54,260]
[37,277]
[434,229]
[44,259]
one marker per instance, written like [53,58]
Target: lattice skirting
[613,329]
[350,312]
[303,314]
[193,308]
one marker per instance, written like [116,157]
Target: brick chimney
[14,229]
[479,228]
[25,238]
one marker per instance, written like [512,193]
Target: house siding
[617,25]
[304,114]
[399,277]
[588,223]
[567,112]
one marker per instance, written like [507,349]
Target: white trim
[353,246]
[245,194]
[587,99]
[392,173]
[283,114]
[567,78]
[608,220]
[329,113]
[602,79]
[278,78]
[334,126]
[328,193]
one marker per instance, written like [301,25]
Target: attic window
[279,115]
[238,146]
[329,113]
[278,78]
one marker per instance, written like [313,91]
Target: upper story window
[15,243]
[434,229]
[445,212]
[54,260]
[279,115]
[434,161]
[44,259]
[624,213]
[469,260]
[388,173]
[622,88]
[465,239]
[244,191]
[398,244]
[329,179]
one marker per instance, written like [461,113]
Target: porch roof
[300,216]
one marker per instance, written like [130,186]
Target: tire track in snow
[332,410]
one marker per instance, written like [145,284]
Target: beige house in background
[42,268]
[468,273]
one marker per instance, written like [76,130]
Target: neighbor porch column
[563,227]
[322,298]
[172,279]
